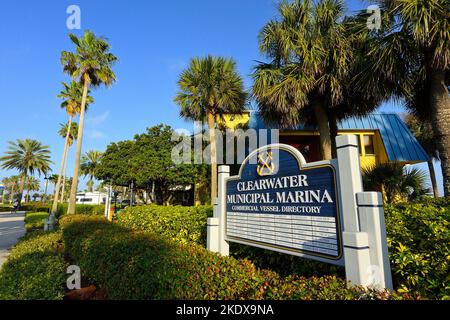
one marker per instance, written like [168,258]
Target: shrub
[86,209]
[6,209]
[35,220]
[131,264]
[35,269]
[36,207]
[183,224]
[419,247]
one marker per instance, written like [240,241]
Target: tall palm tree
[26,156]
[313,56]
[90,65]
[423,131]
[72,96]
[411,58]
[209,88]
[70,132]
[89,164]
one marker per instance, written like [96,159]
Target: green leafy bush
[418,239]
[35,220]
[35,269]
[419,247]
[131,264]
[36,207]
[85,209]
[183,224]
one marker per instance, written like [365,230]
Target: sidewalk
[11,229]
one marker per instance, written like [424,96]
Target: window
[368,144]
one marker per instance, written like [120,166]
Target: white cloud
[95,134]
[99,119]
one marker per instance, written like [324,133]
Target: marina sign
[277,203]
[314,210]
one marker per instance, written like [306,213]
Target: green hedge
[85,209]
[36,207]
[419,247]
[418,238]
[6,209]
[131,264]
[35,269]
[183,224]
[62,208]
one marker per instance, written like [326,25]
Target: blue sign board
[278,202]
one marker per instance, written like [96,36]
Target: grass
[35,220]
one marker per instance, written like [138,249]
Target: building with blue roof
[383,137]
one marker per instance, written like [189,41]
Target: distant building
[91,198]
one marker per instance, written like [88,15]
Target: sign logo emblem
[266,167]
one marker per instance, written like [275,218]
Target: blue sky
[154,41]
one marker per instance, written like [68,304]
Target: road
[11,229]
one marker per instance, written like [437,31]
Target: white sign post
[316,210]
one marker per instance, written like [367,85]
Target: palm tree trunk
[90,184]
[324,130]
[333,131]
[22,186]
[58,183]
[433,178]
[440,106]
[212,139]
[63,189]
[73,190]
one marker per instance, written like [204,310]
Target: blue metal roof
[398,140]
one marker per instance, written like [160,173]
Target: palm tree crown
[72,95]
[313,57]
[89,164]
[91,61]
[27,156]
[210,85]
[64,130]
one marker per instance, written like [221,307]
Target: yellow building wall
[234,121]
[370,160]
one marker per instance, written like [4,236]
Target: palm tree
[89,164]
[394,181]
[90,65]
[54,180]
[72,96]
[31,184]
[411,58]
[209,88]
[313,57]
[11,185]
[423,130]
[71,133]
[27,156]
